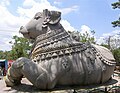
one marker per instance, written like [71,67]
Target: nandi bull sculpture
[57,59]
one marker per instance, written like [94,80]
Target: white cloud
[28,3]
[116,31]
[4,46]
[4,41]
[106,34]
[39,6]
[7,21]
[25,12]
[113,34]
[67,26]
[35,7]
[68,10]
[5,2]
[9,25]
[101,40]
[57,3]
[85,29]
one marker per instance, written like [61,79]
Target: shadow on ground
[30,88]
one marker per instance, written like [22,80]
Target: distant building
[10,63]
[3,66]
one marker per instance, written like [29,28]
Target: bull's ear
[51,17]
[54,17]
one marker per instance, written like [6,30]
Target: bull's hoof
[10,83]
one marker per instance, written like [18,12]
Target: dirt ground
[27,87]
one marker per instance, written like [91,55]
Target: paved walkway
[27,87]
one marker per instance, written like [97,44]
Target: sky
[77,15]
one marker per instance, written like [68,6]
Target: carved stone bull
[57,59]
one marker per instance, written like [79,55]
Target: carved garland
[68,50]
[41,52]
[60,51]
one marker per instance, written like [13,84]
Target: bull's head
[39,23]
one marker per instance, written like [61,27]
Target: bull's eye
[37,17]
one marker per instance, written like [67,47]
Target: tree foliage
[116,23]
[20,48]
[114,45]
[86,37]
[83,37]
[105,45]
[115,6]
[116,54]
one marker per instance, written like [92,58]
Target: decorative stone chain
[102,58]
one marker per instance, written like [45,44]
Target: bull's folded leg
[13,78]
[22,67]
[37,75]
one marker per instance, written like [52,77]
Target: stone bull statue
[57,58]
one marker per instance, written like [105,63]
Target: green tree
[116,54]
[20,48]
[83,37]
[115,6]
[105,45]
[1,54]
[5,55]
[86,37]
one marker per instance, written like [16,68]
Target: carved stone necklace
[54,43]
[59,43]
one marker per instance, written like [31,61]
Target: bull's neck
[53,34]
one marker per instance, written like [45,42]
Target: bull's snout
[23,30]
